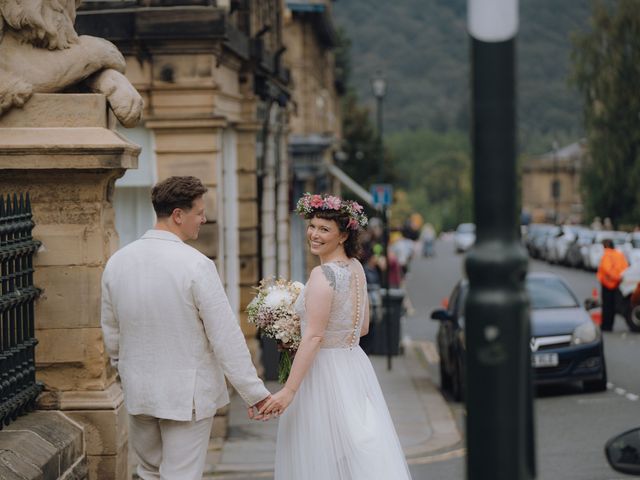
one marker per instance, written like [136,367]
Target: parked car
[566,345]
[578,249]
[464,237]
[538,245]
[549,248]
[595,251]
[632,248]
[531,232]
[558,246]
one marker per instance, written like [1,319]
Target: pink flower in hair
[316,201]
[333,203]
[357,207]
[353,224]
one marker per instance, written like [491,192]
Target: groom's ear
[176,216]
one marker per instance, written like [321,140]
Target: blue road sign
[382,194]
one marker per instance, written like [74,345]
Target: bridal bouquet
[272,312]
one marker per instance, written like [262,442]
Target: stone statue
[40,52]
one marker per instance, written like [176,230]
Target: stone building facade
[240,94]
[551,185]
[216,96]
[216,93]
[316,123]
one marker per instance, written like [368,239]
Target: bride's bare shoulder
[322,276]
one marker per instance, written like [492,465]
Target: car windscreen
[549,293]
[466,228]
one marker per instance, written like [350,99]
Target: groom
[171,334]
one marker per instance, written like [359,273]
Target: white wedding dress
[338,425]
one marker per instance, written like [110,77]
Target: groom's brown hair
[175,192]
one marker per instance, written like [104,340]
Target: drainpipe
[261,174]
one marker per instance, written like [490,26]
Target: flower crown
[309,204]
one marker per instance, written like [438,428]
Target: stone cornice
[61,148]
[108,399]
[190,123]
[63,130]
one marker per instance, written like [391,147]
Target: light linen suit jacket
[170,331]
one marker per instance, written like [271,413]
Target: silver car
[464,237]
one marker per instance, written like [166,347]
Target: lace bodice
[347,305]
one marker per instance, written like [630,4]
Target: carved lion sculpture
[40,51]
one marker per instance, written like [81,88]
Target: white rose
[275,298]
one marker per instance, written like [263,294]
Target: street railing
[18,386]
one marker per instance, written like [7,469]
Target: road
[571,426]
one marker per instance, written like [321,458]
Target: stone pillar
[60,149]
[248,226]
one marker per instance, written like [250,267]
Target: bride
[334,422]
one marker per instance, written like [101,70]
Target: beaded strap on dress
[358,306]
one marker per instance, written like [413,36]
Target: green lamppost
[379,88]
[499,393]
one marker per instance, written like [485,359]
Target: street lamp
[379,88]
[555,184]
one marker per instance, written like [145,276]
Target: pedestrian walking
[610,270]
[172,336]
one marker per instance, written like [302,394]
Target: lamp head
[379,86]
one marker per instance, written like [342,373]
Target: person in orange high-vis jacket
[609,275]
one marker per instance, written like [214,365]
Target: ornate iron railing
[18,386]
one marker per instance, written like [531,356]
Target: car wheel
[457,382]
[633,319]
[597,385]
[445,379]
[461,379]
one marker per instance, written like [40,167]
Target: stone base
[104,418]
[43,445]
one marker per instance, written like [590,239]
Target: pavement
[423,420]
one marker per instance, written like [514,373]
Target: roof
[320,16]
[568,151]
[306,6]
[569,156]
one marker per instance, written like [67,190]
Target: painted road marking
[622,392]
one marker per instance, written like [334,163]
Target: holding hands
[276,404]
[254,410]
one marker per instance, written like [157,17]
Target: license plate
[540,360]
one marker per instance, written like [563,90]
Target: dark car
[566,346]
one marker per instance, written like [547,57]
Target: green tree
[606,70]
[435,170]
[360,142]
[360,138]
